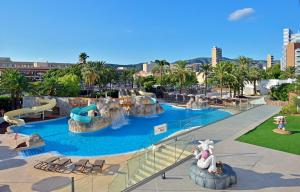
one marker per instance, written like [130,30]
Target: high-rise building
[288,37]
[216,55]
[297,61]
[293,56]
[270,61]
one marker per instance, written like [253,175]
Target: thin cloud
[240,13]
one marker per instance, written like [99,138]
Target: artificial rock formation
[205,179]
[196,103]
[96,124]
[145,105]
[207,172]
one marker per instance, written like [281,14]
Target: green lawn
[263,136]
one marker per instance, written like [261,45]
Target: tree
[71,85]
[220,73]
[206,69]
[232,79]
[111,75]
[274,72]
[83,57]
[255,74]
[147,82]
[131,76]
[14,83]
[181,73]
[50,86]
[89,75]
[244,63]
[160,66]
[290,72]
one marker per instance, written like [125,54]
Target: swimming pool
[135,135]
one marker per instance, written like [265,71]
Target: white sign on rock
[160,129]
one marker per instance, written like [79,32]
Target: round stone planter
[204,179]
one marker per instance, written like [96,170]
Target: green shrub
[281,92]
[289,109]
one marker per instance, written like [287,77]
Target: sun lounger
[98,165]
[80,165]
[44,163]
[95,167]
[58,165]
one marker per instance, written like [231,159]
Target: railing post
[127,183]
[175,148]
[72,184]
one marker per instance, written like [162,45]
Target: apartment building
[216,55]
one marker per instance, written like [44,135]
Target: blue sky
[133,31]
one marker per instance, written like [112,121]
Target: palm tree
[255,75]
[244,63]
[51,86]
[160,66]
[181,73]
[111,75]
[89,75]
[290,72]
[83,57]
[221,73]
[206,69]
[14,83]
[232,78]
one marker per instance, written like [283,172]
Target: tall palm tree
[89,75]
[83,57]
[255,75]
[181,73]
[14,83]
[220,73]
[232,78]
[206,69]
[111,75]
[244,64]
[160,66]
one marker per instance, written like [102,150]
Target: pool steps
[164,157]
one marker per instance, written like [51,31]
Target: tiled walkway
[258,168]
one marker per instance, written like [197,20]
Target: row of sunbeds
[65,165]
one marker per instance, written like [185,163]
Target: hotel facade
[32,70]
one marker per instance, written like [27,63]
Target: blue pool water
[136,135]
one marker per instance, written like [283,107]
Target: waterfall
[118,119]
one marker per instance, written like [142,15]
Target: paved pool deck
[257,168]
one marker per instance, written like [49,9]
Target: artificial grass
[265,137]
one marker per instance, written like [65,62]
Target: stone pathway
[257,168]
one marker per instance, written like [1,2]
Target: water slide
[78,113]
[13,117]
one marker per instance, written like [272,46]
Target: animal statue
[205,157]
[280,121]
